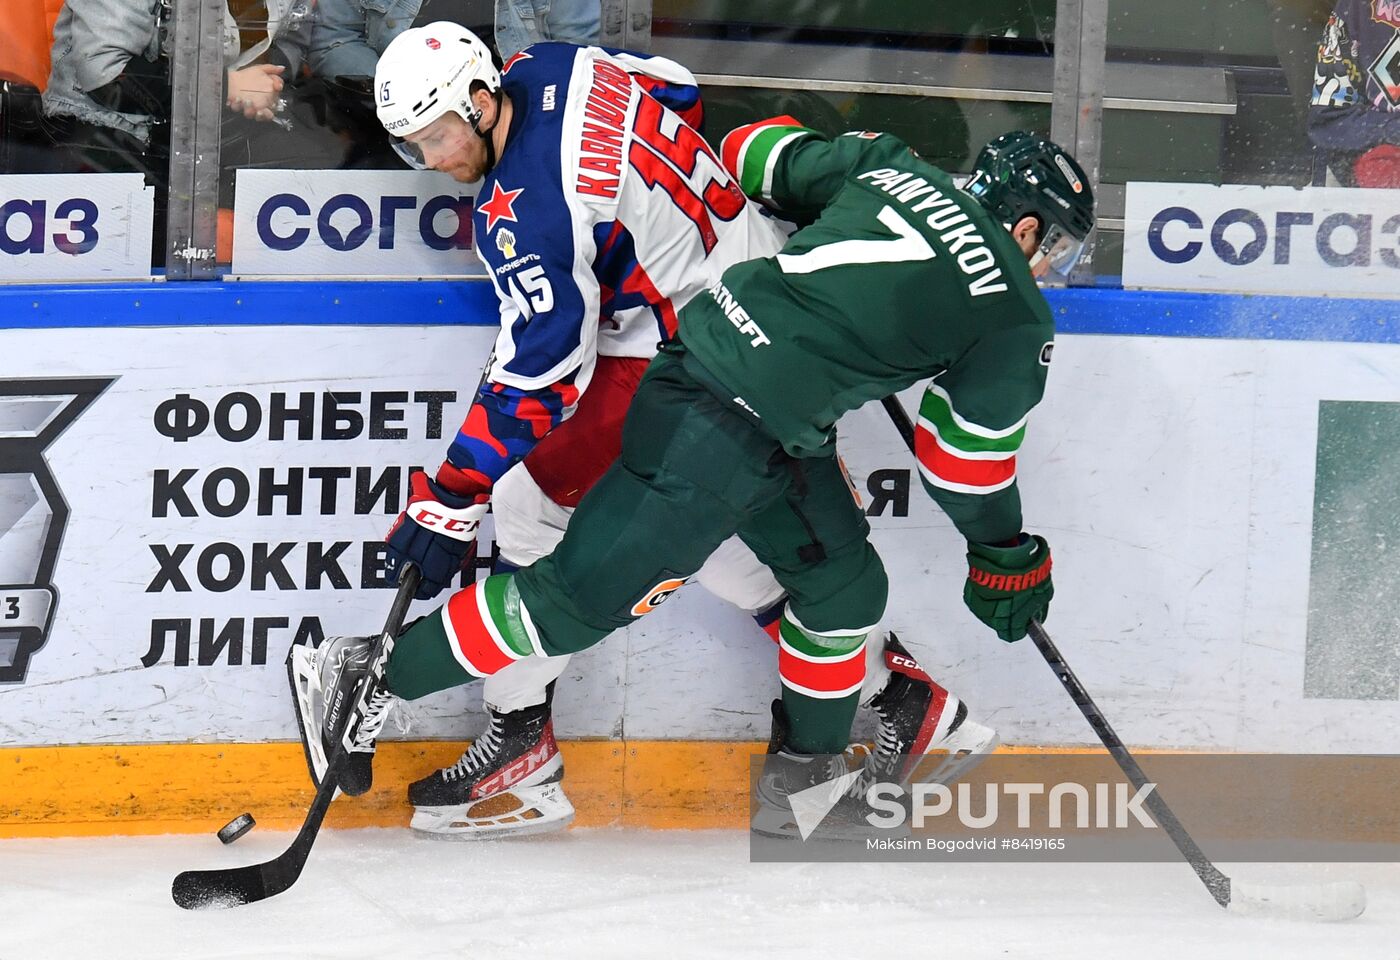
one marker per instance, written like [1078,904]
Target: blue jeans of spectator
[520,23]
[349,35]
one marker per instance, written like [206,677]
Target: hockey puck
[236,827]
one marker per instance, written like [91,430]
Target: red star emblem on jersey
[500,206]
[514,59]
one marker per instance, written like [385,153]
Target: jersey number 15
[699,197]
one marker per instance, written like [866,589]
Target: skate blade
[965,748]
[522,812]
[304,680]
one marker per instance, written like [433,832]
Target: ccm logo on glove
[460,524]
[436,531]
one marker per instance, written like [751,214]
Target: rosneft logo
[657,595]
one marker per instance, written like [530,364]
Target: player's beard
[467,170]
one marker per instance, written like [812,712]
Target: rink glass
[1213,93]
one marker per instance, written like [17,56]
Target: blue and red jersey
[605,214]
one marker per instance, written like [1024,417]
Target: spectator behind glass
[350,35]
[1355,111]
[520,23]
[111,68]
[108,103]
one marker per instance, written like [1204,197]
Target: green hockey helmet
[1019,174]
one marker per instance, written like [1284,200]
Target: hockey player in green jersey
[896,275]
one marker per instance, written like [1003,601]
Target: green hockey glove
[1007,587]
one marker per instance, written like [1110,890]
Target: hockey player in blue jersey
[601,213]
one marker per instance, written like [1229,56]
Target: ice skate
[325,682]
[508,783]
[796,793]
[918,717]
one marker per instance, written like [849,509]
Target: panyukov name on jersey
[956,229]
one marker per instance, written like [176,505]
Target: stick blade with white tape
[1339,900]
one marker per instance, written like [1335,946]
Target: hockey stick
[199,889]
[232,887]
[1341,900]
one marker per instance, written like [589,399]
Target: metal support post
[197,72]
[1076,116]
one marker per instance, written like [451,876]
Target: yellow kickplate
[190,788]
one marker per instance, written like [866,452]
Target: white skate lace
[376,712]
[479,754]
[887,741]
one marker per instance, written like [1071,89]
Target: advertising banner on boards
[1318,241]
[93,226]
[178,506]
[365,223]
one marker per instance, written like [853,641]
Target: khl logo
[33,513]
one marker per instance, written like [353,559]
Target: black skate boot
[797,793]
[507,783]
[917,716]
[325,683]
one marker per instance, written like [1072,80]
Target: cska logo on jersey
[501,206]
[33,513]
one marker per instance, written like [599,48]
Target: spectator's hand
[255,91]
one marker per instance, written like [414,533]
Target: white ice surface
[613,893]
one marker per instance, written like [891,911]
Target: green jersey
[896,275]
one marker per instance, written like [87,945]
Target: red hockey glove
[437,531]
[1007,587]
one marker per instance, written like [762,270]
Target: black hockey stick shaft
[1216,882]
[198,889]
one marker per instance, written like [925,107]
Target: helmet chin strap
[486,134]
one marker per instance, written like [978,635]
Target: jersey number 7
[699,196]
[907,244]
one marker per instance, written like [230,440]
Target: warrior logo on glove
[1009,586]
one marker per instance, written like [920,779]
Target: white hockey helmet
[426,71]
